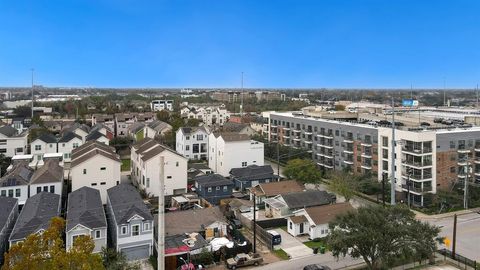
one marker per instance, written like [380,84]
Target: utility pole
[254,224]
[241,100]
[408,188]
[392,184]
[384,178]
[161,219]
[444,92]
[32,70]
[465,188]
[454,240]
[278,159]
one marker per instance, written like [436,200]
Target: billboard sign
[409,102]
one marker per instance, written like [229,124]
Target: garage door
[136,253]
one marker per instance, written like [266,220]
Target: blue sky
[206,43]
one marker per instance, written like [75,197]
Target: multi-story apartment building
[192,143]
[160,105]
[426,159]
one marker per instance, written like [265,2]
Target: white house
[150,160]
[313,221]
[45,143]
[95,165]
[160,105]
[130,222]
[192,143]
[123,122]
[156,128]
[232,150]
[67,143]
[210,115]
[81,130]
[12,142]
[47,178]
[15,182]
[97,136]
[85,216]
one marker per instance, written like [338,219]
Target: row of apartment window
[97,235]
[135,229]
[38,147]
[199,137]
[225,188]
[197,148]
[101,169]
[11,192]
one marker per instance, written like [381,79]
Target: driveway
[292,246]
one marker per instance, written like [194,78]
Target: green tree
[4,163]
[302,170]
[381,235]
[113,260]
[46,251]
[23,111]
[343,183]
[163,116]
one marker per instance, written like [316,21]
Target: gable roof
[20,174]
[199,166]
[136,127]
[68,136]
[327,213]
[50,172]
[190,130]
[36,214]
[78,160]
[180,222]
[144,145]
[234,127]
[307,198]
[47,137]
[126,202]
[90,145]
[232,137]
[6,206]
[8,131]
[94,135]
[276,188]
[76,126]
[158,125]
[252,172]
[212,180]
[85,207]
[153,152]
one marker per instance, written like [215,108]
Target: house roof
[234,127]
[212,180]
[122,117]
[153,152]
[180,222]
[276,188]
[21,174]
[99,126]
[158,125]
[36,214]
[190,130]
[6,206]
[136,127]
[76,161]
[298,219]
[126,203]
[76,126]
[8,131]
[68,136]
[90,145]
[199,166]
[252,172]
[144,145]
[85,208]
[307,198]
[326,213]
[47,137]
[232,137]
[179,243]
[94,135]
[145,116]
[50,172]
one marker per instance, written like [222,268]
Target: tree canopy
[47,251]
[381,235]
[344,184]
[302,170]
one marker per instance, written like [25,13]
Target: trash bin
[322,250]
[315,250]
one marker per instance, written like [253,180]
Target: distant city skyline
[277,44]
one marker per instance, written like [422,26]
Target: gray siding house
[8,216]
[131,223]
[252,175]
[35,216]
[213,187]
[85,216]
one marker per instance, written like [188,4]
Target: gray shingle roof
[252,172]
[126,202]
[68,136]
[158,125]
[36,215]
[232,137]
[50,172]
[47,137]
[233,127]
[94,135]
[21,174]
[85,207]
[6,206]
[180,222]
[8,131]
[307,198]
[212,180]
[136,127]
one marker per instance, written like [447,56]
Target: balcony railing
[417,163]
[414,150]
[417,189]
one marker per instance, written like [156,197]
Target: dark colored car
[316,267]
[425,124]
[236,223]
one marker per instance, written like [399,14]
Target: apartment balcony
[462,163]
[286,128]
[417,164]
[476,161]
[366,155]
[296,139]
[286,136]
[366,166]
[416,151]
[349,162]
[463,149]
[418,190]
[308,132]
[348,140]
[477,148]
[348,151]
[368,144]
[477,173]
[308,142]
[273,126]
[418,177]
[274,133]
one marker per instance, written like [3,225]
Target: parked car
[316,267]
[237,224]
[425,124]
[276,237]
[243,259]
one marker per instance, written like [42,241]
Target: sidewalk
[423,216]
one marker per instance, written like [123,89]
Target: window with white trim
[135,230]
[124,230]
[97,234]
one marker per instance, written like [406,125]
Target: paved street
[468,233]
[274,167]
[324,259]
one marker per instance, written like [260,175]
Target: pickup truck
[243,259]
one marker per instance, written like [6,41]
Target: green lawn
[314,244]
[125,165]
[280,253]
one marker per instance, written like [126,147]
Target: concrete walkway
[292,246]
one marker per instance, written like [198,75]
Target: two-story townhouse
[131,223]
[12,142]
[15,182]
[85,216]
[213,187]
[47,178]
[106,120]
[252,175]
[123,122]
[45,143]
[95,165]
[105,130]
[192,143]
[151,161]
[146,117]
[232,150]
[35,216]
[8,216]
[156,128]
[97,136]
[67,143]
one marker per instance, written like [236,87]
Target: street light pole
[465,189]
[278,159]
[392,184]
